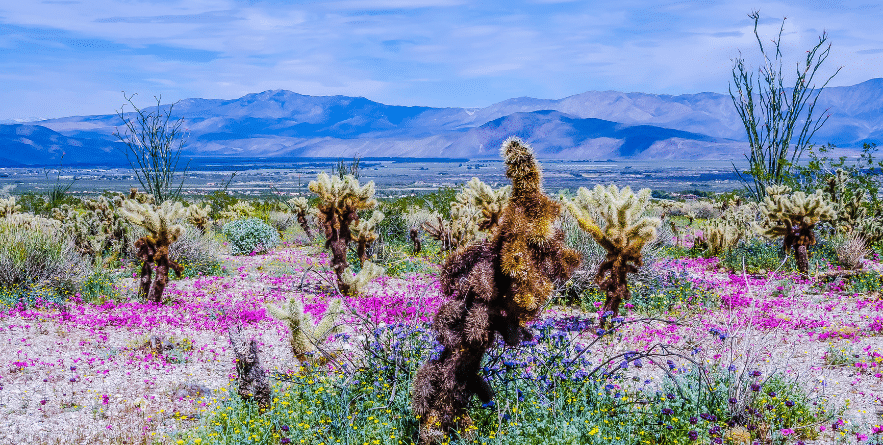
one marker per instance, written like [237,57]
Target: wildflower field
[718,339]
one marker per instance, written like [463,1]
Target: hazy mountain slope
[591,125]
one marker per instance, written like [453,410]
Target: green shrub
[250,235]
[37,260]
[197,252]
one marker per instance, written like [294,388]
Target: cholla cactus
[719,237]
[141,198]
[793,216]
[199,216]
[251,377]
[340,199]
[301,208]
[305,336]
[239,210]
[357,282]
[153,249]
[496,286]
[484,199]
[8,206]
[415,218]
[847,202]
[364,234]
[476,209]
[625,232]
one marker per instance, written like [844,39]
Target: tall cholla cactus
[624,233]
[153,249]
[199,216]
[8,206]
[305,336]
[496,286]
[793,216]
[364,234]
[301,208]
[238,210]
[340,199]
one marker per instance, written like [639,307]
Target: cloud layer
[61,58]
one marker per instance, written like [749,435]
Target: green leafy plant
[250,235]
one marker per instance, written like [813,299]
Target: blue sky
[66,57]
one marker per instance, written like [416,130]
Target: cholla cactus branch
[625,232]
[252,380]
[496,286]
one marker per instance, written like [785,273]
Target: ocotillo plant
[364,234]
[305,336]
[624,233]
[496,286]
[793,216]
[153,248]
[340,199]
[301,208]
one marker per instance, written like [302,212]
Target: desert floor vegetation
[717,334]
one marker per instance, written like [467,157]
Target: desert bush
[197,253]
[250,235]
[851,249]
[37,259]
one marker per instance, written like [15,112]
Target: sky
[65,57]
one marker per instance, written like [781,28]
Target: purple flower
[789,403]
[667,411]
[693,420]
[732,400]
[284,428]
[693,435]
[755,387]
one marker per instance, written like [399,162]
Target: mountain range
[593,125]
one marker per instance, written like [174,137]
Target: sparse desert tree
[153,248]
[496,286]
[792,217]
[153,146]
[780,120]
[623,232]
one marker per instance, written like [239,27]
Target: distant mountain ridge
[591,125]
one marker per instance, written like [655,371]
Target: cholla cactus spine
[305,336]
[793,216]
[624,235]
